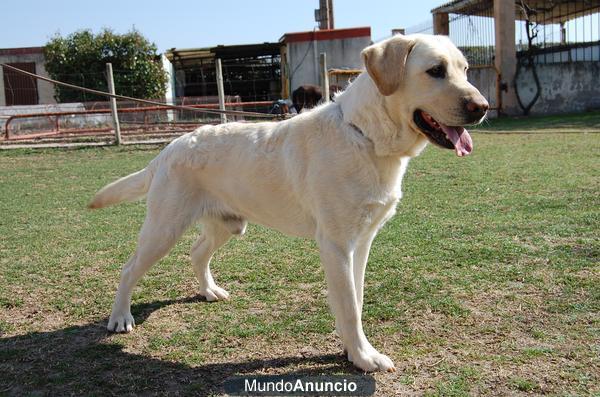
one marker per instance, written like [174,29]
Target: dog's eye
[438,72]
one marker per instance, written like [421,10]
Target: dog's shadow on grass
[78,360]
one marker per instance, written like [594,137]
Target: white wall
[341,53]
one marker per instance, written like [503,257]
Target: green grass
[484,283]
[577,122]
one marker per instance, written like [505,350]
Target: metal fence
[559,31]
[474,34]
[94,119]
[556,31]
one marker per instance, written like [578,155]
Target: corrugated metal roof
[224,51]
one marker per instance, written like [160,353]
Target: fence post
[221,90]
[324,77]
[113,103]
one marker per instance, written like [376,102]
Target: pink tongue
[460,138]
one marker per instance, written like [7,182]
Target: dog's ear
[385,62]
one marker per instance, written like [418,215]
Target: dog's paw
[371,361]
[121,322]
[214,293]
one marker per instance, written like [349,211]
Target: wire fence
[556,31]
[474,33]
[559,31]
[89,118]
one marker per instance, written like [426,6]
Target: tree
[81,58]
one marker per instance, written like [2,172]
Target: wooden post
[505,54]
[330,23]
[324,15]
[324,77]
[220,89]
[113,103]
[441,23]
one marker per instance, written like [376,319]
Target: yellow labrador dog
[332,174]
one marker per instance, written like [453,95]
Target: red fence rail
[55,118]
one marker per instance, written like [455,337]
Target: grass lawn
[564,123]
[486,282]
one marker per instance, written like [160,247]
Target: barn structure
[252,72]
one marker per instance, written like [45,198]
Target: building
[252,71]
[17,89]
[300,54]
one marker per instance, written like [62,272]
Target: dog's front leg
[337,263]
[359,265]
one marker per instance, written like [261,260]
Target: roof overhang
[326,34]
[561,10]
[22,51]
[223,52]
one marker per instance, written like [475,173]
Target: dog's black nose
[476,107]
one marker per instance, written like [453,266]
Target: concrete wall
[342,53]
[45,90]
[342,46]
[566,87]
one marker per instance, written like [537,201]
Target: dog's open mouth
[448,137]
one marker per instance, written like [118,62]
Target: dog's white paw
[371,361]
[121,322]
[214,293]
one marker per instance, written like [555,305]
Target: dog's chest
[377,213]
[382,205]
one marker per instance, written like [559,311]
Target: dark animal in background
[306,96]
[334,89]
[280,106]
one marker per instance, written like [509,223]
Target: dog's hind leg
[215,233]
[165,222]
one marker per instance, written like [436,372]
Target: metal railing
[60,123]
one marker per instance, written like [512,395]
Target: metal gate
[20,89]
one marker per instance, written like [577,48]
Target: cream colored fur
[332,174]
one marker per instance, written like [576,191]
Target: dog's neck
[364,107]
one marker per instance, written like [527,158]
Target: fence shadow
[77,360]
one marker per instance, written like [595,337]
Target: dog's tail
[129,188]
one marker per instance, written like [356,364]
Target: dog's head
[423,80]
